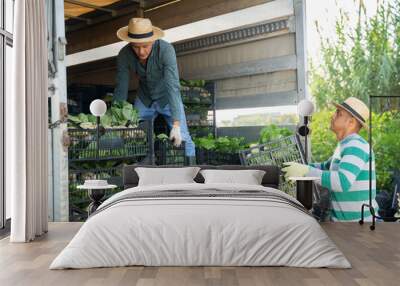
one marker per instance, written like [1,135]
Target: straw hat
[140,30]
[358,109]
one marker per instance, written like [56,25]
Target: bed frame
[270,179]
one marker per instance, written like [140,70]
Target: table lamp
[98,108]
[305,108]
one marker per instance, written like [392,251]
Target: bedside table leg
[304,193]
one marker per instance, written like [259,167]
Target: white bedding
[200,231]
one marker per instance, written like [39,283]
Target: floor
[375,256]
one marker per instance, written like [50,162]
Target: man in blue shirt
[153,62]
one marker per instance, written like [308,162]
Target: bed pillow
[166,176]
[248,177]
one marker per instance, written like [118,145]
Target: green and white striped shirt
[346,176]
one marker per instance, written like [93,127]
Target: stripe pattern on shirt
[346,175]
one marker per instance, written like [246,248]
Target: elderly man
[346,173]
[153,62]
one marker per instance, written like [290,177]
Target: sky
[325,12]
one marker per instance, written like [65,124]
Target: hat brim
[363,124]
[122,34]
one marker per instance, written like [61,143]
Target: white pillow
[166,176]
[248,177]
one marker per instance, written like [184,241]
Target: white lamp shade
[305,107]
[98,107]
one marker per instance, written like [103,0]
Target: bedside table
[96,194]
[304,190]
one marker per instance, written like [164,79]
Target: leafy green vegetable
[91,118]
[273,132]
[83,118]
[207,143]
[106,121]
[87,125]
[120,114]
[221,144]
[74,119]
[192,83]
[162,137]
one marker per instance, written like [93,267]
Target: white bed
[200,231]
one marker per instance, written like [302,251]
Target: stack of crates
[114,143]
[212,157]
[165,152]
[114,147]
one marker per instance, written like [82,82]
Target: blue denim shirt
[158,81]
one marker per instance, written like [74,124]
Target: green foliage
[222,144]
[86,120]
[363,61]
[120,114]
[273,132]
[229,144]
[386,146]
[193,83]
[323,141]
[163,137]
[207,143]
[113,143]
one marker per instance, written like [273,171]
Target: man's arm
[322,166]
[122,78]
[171,78]
[353,159]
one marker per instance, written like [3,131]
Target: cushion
[163,176]
[271,177]
[248,177]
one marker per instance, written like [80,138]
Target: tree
[363,61]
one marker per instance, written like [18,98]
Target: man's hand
[175,135]
[294,169]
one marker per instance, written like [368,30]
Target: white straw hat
[140,30]
[358,109]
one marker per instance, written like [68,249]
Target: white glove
[294,169]
[175,136]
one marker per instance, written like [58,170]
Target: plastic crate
[276,153]
[78,199]
[196,95]
[211,157]
[167,154]
[114,143]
